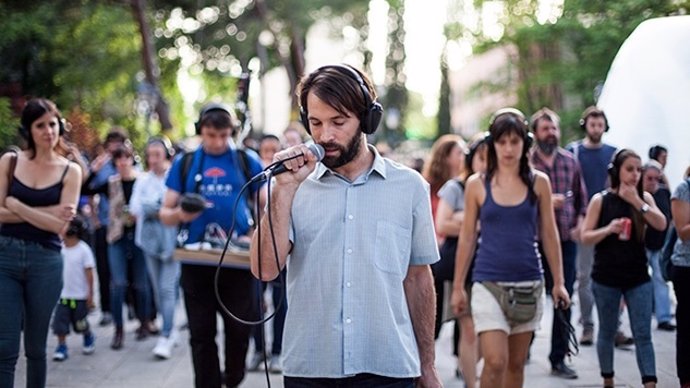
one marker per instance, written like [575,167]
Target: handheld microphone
[280,168]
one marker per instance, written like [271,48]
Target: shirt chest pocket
[393,245]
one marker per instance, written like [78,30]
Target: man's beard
[548,146]
[594,139]
[347,154]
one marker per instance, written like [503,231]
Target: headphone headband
[209,108]
[370,118]
[165,142]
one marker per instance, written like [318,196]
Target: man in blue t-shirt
[217,171]
[594,157]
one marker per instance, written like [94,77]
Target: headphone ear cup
[373,118]
[61,126]
[529,140]
[304,118]
[611,168]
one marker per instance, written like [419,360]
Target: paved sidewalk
[135,367]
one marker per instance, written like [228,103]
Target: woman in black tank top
[39,190]
[615,222]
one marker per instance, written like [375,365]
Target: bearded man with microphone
[357,236]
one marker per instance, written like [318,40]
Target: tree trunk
[149,60]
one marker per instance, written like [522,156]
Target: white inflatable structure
[646,95]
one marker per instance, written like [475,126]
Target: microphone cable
[281,276]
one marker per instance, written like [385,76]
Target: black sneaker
[563,371]
[666,326]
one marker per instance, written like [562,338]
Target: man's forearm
[421,301]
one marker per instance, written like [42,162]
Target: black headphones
[211,107]
[369,119]
[474,147]
[527,138]
[593,111]
[614,165]
[25,133]
[165,142]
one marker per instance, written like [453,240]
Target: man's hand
[558,200]
[186,217]
[100,161]
[300,167]
[429,378]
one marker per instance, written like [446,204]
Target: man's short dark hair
[116,135]
[656,150]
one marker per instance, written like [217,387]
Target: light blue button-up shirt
[352,245]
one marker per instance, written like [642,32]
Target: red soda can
[624,235]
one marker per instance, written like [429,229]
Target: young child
[77,292]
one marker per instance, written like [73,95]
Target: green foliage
[569,59]
[8,124]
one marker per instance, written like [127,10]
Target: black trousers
[681,285]
[100,247]
[237,291]
[364,380]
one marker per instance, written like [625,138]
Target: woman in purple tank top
[39,190]
[512,203]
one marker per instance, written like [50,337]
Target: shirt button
[349,250]
[348,284]
[348,320]
[350,217]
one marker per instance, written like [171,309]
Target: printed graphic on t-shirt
[213,188]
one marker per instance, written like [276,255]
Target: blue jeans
[30,285]
[164,274]
[585,260]
[662,298]
[639,302]
[122,254]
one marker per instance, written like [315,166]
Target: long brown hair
[436,170]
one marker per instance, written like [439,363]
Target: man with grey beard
[570,204]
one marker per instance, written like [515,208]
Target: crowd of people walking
[484,235]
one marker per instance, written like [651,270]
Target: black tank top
[619,264]
[35,198]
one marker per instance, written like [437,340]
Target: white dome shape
[646,96]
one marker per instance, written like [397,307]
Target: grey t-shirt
[453,194]
[681,251]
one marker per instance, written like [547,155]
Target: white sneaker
[163,349]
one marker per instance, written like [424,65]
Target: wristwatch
[645,208]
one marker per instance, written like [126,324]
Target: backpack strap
[186,161]
[244,164]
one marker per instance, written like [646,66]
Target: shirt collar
[379,166]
